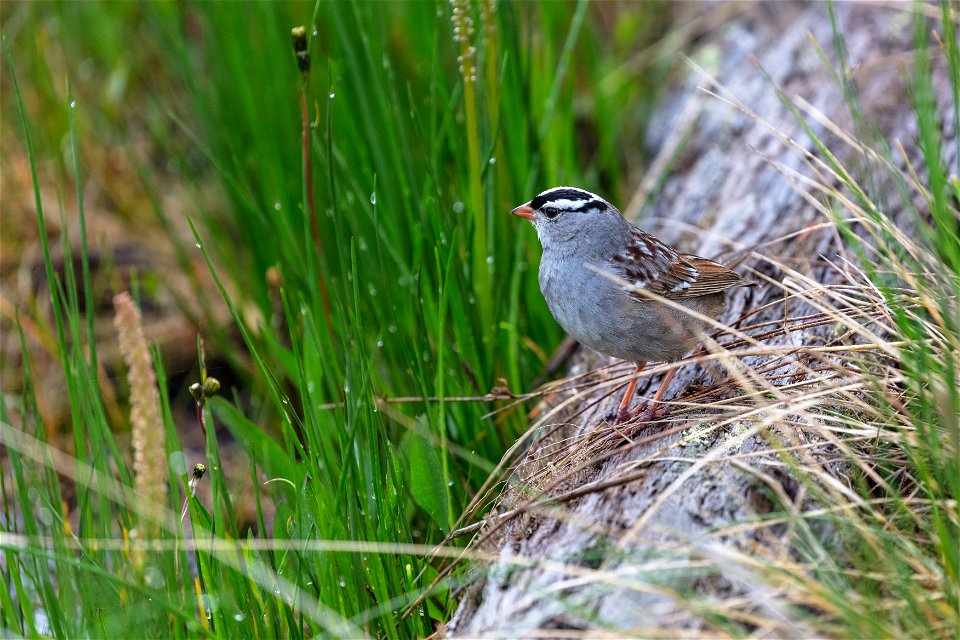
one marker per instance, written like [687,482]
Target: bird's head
[563,216]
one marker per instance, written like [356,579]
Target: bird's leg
[623,411]
[650,410]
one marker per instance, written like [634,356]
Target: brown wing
[647,263]
[710,278]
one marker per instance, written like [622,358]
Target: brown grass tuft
[149,466]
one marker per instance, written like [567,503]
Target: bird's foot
[642,413]
[619,416]
[627,415]
[650,411]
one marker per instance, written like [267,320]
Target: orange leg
[651,409]
[623,411]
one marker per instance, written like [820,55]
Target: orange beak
[525,211]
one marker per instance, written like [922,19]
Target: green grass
[430,283]
[432,295]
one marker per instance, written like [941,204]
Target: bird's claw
[643,412]
[628,415]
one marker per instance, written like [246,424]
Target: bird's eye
[550,212]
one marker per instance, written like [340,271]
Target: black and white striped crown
[568,199]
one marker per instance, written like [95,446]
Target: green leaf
[426,478]
[267,453]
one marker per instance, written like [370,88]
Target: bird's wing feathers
[712,278]
[649,264]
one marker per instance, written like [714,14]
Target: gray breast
[601,315]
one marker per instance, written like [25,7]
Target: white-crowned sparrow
[594,268]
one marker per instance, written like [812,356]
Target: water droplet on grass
[458,207]
[373,198]
[332,95]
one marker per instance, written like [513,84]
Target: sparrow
[594,272]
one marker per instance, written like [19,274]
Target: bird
[595,272]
